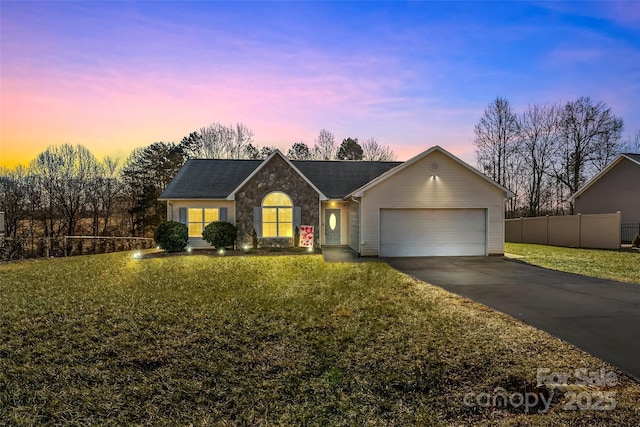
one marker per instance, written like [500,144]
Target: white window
[277,215]
[199,218]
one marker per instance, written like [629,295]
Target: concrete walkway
[599,316]
[340,254]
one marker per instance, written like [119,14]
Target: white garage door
[432,232]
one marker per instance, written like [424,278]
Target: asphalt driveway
[599,316]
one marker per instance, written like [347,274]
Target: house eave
[602,173]
[169,199]
[360,191]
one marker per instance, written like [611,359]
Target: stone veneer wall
[276,175]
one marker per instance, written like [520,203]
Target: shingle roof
[336,179]
[216,179]
[208,179]
[635,157]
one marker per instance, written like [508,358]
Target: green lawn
[269,340]
[606,264]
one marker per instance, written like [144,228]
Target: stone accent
[276,175]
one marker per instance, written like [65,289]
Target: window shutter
[182,215]
[297,217]
[222,215]
[257,220]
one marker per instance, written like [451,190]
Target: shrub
[171,236]
[220,234]
[636,241]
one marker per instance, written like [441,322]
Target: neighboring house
[433,204]
[616,188]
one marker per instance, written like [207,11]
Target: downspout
[319,223]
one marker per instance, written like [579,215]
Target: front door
[332,226]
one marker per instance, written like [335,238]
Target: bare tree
[495,139]
[374,152]
[107,189]
[589,139]
[65,173]
[537,133]
[217,141]
[243,137]
[93,207]
[325,146]
[495,136]
[13,198]
[632,144]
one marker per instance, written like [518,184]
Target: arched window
[277,215]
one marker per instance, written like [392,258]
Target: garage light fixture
[433,167]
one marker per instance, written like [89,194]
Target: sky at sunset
[117,75]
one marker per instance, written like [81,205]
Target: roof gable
[276,152]
[360,191]
[634,158]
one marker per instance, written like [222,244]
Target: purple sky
[114,76]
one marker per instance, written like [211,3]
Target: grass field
[269,340]
[606,264]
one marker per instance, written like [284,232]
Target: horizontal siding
[173,208]
[455,187]
[615,191]
[353,221]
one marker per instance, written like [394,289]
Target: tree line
[66,190]
[545,153]
[218,141]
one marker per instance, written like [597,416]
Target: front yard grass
[606,264]
[272,340]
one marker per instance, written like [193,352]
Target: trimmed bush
[171,236]
[636,241]
[220,234]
